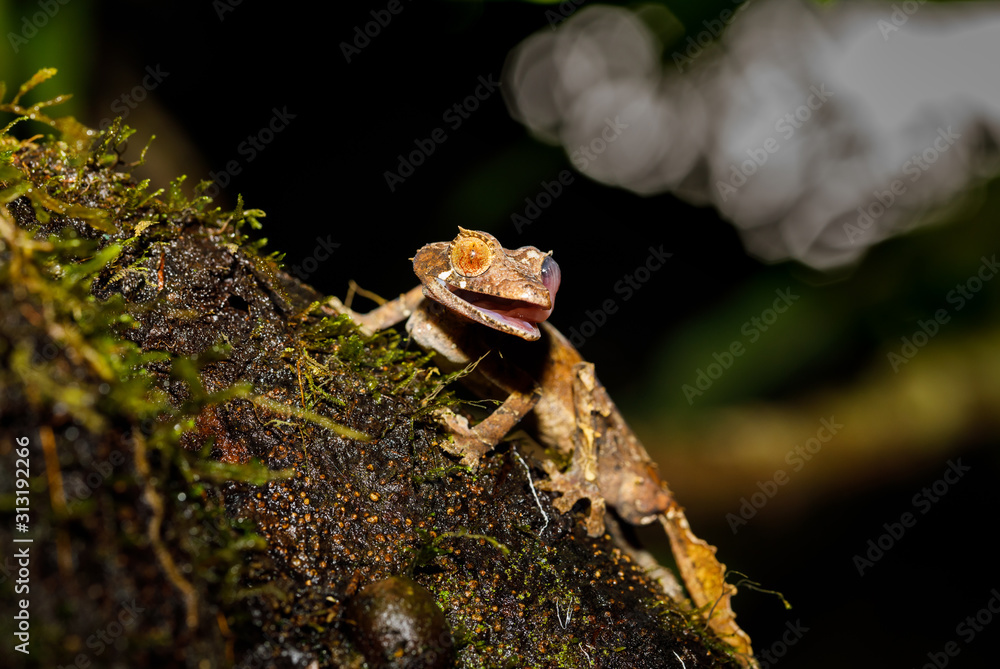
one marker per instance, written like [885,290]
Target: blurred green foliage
[57,34]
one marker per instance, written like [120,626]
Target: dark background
[323,177]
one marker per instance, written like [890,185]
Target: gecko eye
[471,256]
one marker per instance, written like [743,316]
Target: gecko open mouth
[503,309]
[520,315]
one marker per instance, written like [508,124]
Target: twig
[311,416]
[569,614]
[162,554]
[531,485]
[57,494]
[52,471]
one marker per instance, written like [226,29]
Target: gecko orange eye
[471,256]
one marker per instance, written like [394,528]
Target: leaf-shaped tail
[704,576]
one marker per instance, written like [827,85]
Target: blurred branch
[948,392]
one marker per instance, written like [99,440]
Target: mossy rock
[219,465]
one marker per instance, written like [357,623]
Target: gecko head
[475,277]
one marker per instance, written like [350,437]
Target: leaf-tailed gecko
[472,281]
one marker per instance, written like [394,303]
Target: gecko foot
[466,442]
[472,443]
[574,487]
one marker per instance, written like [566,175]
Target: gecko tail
[705,579]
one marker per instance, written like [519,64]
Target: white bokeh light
[817,130]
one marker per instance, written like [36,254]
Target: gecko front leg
[432,331]
[455,344]
[473,442]
[385,315]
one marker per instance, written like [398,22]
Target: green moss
[68,368]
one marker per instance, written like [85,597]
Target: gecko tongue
[521,315]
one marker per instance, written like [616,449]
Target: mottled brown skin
[549,386]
